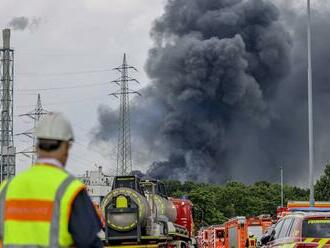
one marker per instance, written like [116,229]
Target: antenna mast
[124,153]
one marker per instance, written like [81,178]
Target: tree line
[214,204]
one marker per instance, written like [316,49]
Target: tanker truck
[138,213]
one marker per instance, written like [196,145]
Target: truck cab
[131,182]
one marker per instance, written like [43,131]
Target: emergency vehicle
[238,232]
[139,214]
[301,229]
[211,237]
[201,237]
[243,232]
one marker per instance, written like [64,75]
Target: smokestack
[6,38]
[7,148]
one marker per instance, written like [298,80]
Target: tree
[204,200]
[322,186]
[214,204]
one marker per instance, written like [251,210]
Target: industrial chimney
[7,149]
[6,38]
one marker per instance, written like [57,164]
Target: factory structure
[98,184]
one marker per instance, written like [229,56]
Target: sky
[76,44]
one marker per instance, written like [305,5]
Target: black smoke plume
[227,99]
[21,23]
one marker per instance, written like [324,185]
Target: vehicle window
[316,228]
[233,238]
[278,229]
[269,230]
[295,228]
[220,234]
[285,228]
[255,231]
[128,182]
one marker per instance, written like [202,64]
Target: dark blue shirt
[84,223]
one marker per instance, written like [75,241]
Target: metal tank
[165,208]
[125,221]
[115,207]
[128,204]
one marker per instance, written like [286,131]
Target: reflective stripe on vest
[2,207]
[55,223]
[45,210]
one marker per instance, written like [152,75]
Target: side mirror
[272,236]
[267,238]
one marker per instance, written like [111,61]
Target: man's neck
[50,161]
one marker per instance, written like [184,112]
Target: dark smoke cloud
[218,64]
[228,93]
[21,23]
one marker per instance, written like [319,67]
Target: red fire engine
[237,232]
[211,237]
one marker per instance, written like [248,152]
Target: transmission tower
[35,115]
[7,161]
[124,153]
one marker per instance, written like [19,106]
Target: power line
[62,88]
[32,74]
[83,128]
[83,160]
[64,102]
[96,152]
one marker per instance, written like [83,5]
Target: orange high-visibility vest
[35,207]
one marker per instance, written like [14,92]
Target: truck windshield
[124,182]
[316,228]
[255,231]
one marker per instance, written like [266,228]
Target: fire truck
[200,237]
[211,237]
[239,229]
[236,232]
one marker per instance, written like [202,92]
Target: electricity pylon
[35,115]
[124,152]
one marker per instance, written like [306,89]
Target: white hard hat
[54,126]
